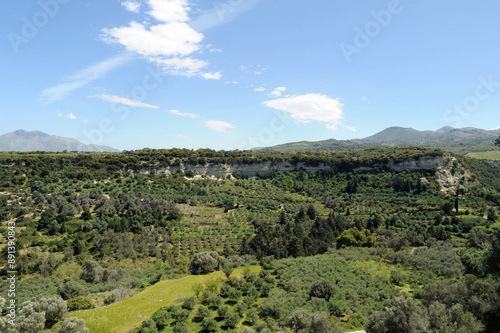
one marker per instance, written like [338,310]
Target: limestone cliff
[251,170]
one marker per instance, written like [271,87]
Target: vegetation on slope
[94,234]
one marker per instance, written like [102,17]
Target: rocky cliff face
[251,170]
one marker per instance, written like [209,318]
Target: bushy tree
[453,320]
[232,319]
[322,289]
[320,323]
[252,316]
[161,318]
[182,315]
[73,325]
[180,328]
[228,270]
[29,320]
[197,288]
[223,311]
[5,327]
[92,272]
[70,288]
[148,326]
[209,325]
[493,255]
[299,321]
[302,321]
[205,262]
[189,303]
[202,312]
[54,308]
[400,315]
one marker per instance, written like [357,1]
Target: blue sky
[236,74]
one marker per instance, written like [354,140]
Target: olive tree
[205,262]
[322,289]
[401,314]
[28,319]
[54,308]
[302,321]
[92,272]
[73,325]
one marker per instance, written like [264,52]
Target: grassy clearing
[127,314]
[486,155]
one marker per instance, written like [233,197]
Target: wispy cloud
[350,128]
[212,76]
[222,13]
[132,6]
[219,126]
[59,113]
[82,78]
[311,107]
[71,116]
[252,69]
[125,101]
[260,89]
[184,114]
[180,66]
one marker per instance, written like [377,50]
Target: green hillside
[110,239]
[130,313]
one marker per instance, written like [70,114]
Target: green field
[486,155]
[128,314]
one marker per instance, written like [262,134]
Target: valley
[133,241]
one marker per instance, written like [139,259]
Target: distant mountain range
[38,141]
[460,140]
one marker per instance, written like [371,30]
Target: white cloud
[71,116]
[311,107]
[132,6]
[219,126]
[82,78]
[85,121]
[169,44]
[168,39]
[125,101]
[260,89]
[59,113]
[215,50]
[170,10]
[278,91]
[184,114]
[350,128]
[212,76]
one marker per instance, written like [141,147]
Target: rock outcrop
[252,170]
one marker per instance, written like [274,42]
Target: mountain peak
[445,129]
[22,140]
[22,132]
